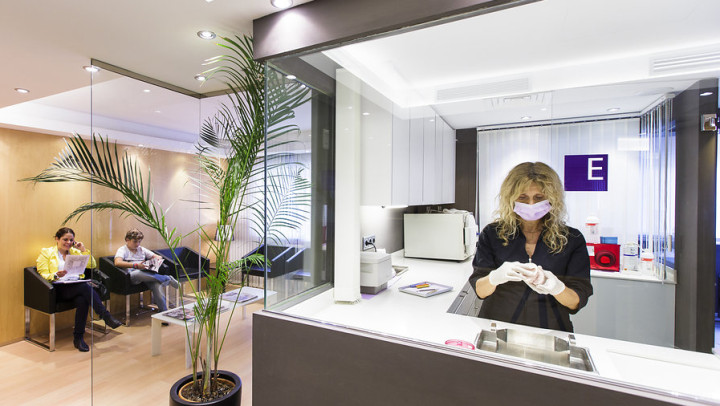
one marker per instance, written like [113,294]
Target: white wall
[618,208]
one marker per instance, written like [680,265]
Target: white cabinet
[415,183]
[448,164]
[429,161]
[405,153]
[400,187]
[376,132]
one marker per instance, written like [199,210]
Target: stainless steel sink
[536,347]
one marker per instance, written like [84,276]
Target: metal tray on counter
[537,347]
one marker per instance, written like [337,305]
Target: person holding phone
[530,267]
[51,266]
[132,256]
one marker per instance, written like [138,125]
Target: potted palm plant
[232,155]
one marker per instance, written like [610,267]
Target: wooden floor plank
[119,370]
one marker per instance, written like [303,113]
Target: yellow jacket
[47,262]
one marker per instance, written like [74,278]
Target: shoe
[111,321]
[79,343]
[173,282]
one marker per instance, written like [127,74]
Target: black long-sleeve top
[515,302]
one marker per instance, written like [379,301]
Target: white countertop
[396,313]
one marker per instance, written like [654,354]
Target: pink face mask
[532,212]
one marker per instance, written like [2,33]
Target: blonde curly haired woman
[530,267]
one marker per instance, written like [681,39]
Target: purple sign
[586,173]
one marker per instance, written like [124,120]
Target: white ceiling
[547,60]
[466,69]
[45,44]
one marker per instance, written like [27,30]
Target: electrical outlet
[368,241]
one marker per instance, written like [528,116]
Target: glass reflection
[157,128]
[521,101]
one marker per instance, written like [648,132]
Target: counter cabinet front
[392,346]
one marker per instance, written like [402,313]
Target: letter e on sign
[586,173]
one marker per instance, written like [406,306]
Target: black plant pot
[231,399]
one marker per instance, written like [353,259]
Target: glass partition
[604,123]
[298,192]
[157,130]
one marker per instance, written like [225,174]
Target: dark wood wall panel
[466,169]
[315,365]
[695,205]
[321,23]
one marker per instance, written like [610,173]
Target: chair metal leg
[92,326]
[127,310]
[52,332]
[27,322]
[50,346]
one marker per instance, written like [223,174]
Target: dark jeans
[82,294]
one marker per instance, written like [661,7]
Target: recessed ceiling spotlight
[91,68]
[158,111]
[206,34]
[366,114]
[706,93]
[140,145]
[613,109]
[208,1]
[146,90]
[290,77]
[281,3]
[543,109]
[432,120]
[200,77]
[525,118]
[21,90]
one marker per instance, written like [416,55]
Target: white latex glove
[533,276]
[531,273]
[506,273]
[551,286]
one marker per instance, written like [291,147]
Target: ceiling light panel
[281,4]
[206,34]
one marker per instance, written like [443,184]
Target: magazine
[189,313]
[425,289]
[153,264]
[179,314]
[238,297]
[75,266]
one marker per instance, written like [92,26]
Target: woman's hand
[508,272]
[140,265]
[60,274]
[80,246]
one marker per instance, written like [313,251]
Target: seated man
[132,255]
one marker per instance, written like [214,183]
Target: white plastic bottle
[592,230]
[629,252]
[646,262]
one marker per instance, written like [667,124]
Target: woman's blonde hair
[517,181]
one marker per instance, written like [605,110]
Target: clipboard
[425,289]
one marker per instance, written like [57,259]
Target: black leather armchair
[119,283]
[190,259]
[40,295]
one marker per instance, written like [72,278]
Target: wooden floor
[118,370]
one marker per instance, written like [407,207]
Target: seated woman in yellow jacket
[51,266]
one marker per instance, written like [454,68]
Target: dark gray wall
[695,218]
[330,22]
[466,169]
[315,365]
